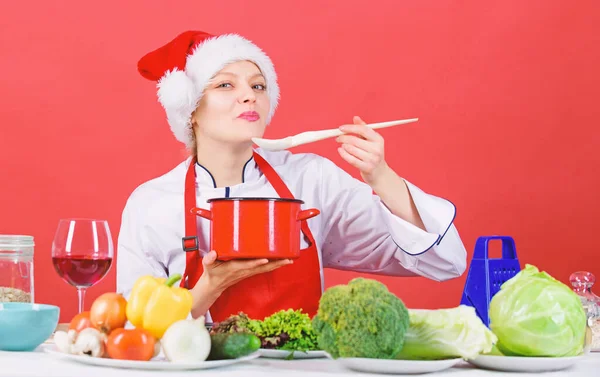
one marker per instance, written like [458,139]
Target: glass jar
[16,268]
[582,282]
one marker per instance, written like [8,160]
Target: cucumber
[232,345]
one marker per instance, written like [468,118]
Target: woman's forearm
[204,296]
[394,193]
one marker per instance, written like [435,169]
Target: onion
[108,312]
[187,341]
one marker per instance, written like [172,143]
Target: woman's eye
[224,85]
[260,87]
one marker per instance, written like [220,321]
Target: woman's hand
[220,275]
[363,148]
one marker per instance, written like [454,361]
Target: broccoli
[361,319]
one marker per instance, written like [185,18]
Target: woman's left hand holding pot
[219,275]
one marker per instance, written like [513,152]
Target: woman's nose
[247,95]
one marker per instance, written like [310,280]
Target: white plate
[524,364]
[397,366]
[281,354]
[157,363]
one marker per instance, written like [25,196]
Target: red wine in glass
[81,271]
[82,253]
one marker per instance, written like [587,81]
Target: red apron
[295,286]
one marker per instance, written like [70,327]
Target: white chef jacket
[355,230]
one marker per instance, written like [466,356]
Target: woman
[218,93]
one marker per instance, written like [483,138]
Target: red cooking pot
[244,228]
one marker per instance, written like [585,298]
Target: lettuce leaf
[446,333]
[289,330]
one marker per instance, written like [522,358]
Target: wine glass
[82,253]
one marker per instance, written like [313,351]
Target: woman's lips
[251,116]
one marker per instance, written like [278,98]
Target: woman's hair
[193,147]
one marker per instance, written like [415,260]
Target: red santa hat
[184,66]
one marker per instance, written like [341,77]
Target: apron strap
[190,241]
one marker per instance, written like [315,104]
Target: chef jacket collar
[204,178]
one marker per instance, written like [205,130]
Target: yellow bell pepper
[154,304]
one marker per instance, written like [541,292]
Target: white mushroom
[64,340]
[89,342]
[157,348]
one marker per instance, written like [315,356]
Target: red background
[507,94]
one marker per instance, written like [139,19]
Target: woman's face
[234,106]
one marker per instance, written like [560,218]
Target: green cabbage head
[534,314]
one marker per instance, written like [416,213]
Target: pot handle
[202,213]
[307,214]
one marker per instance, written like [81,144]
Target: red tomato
[80,322]
[130,344]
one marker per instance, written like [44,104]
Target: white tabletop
[41,364]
